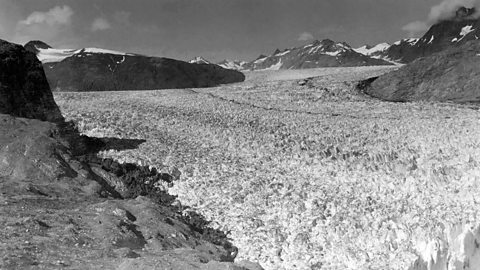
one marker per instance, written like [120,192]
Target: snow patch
[101,51]
[229,64]
[277,66]
[466,30]
[199,60]
[431,39]
[375,49]
[282,53]
[411,41]
[335,53]
[121,61]
[260,60]
[51,55]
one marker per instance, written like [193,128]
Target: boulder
[24,89]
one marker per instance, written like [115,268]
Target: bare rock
[24,89]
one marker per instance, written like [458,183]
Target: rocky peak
[34,45]
[464,13]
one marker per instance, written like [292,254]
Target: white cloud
[122,17]
[55,16]
[9,16]
[444,10]
[447,9]
[415,28]
[305,36]
[100,24]
[52,25]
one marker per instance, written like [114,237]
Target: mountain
[199,60]
[232,64]
[450,75]
[325,53]
[462,27]
[94,69]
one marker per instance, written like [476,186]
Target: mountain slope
[450,75]
[325,53]
[94,69]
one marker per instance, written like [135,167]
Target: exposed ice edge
[459,249]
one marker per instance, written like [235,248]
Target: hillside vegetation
[304,173]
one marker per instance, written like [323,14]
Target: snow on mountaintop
[51,55]
[232,64]
[199,60]
[99,50]
[367,50]
[412,41]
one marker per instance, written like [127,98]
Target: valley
[301,168]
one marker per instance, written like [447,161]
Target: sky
[214,29]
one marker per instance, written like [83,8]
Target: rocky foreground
[64,208]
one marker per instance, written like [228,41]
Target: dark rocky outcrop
[34,46]
[450,75]
[24,90]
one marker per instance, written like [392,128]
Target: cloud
[442,11]
[52,25]
[415,28]
[9,16]
[122,17]
[100,24]
[447,8]
[55,16]
[305,36]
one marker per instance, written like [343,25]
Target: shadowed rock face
[451,75]
[24,89]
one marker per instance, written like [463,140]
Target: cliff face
[24,89]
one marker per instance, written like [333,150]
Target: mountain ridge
[95,69]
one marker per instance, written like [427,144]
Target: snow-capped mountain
[325,53]
[451,32]
[232,64]
[199,60]
[94,69]
[373,50]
